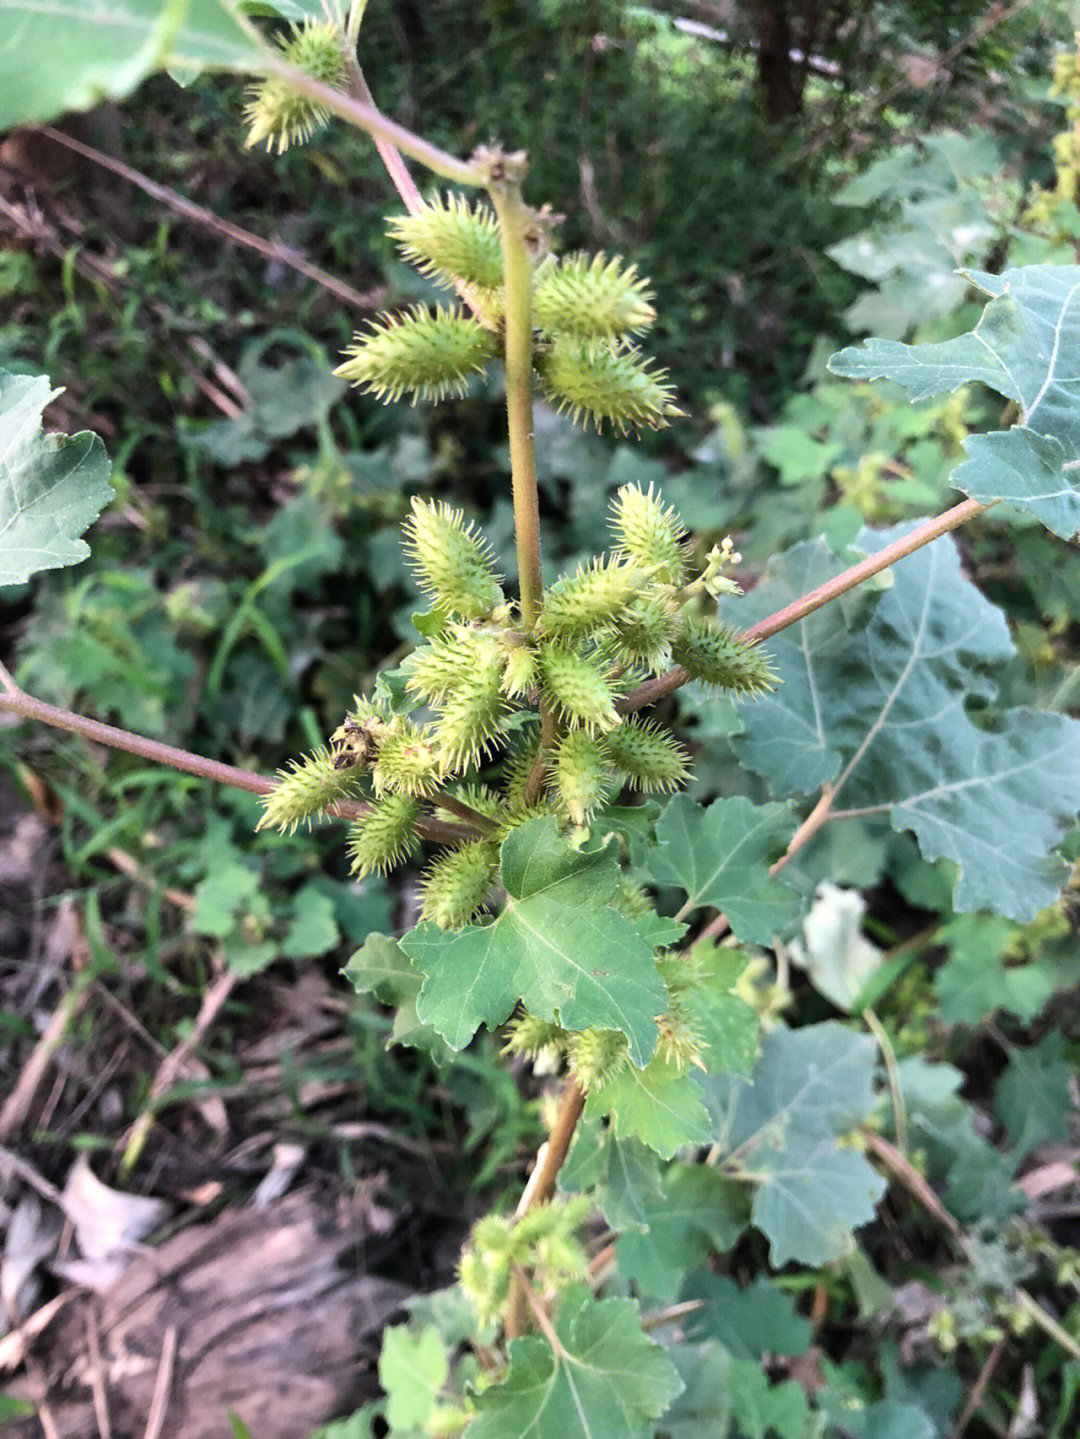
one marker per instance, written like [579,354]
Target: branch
[653,690]
[18,702]
[367,117]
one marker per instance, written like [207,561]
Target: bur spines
[456,883]
[277,112]
[714,653]
[407,762]
[586,601]
[428,354]
[307,788]
[582,774]
[649,533]
[450,240]
[591,297]
[384,836]
[606,383]
[647,755]
[451,560]
[577,688]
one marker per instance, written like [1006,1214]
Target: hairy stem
[653,690]
[367,117]
[541,1186]
[394,165]
[17,701]
[517,269]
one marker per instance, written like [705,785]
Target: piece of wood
[269,1318]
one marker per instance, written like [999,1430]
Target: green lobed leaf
[1032,1096]
[975,980]
[781,1130]
[1026,346]
[558,947]
[412,1369]
[60,55]
[314,929]
[699,1212]
[726,1397]
[608,1382]
[52,487]
[751,1322]
[624,1173]
[879,708]
[661,1105]
[720,856]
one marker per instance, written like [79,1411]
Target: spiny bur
[307,788]
[455,885]
[591,298]
[583,774]
[451,561]
[600,382]
[384,836]
[647,755]
[715,654]
[427,354]
[279,113]
[584,602]
[578,688]
[649,533]
[450,240]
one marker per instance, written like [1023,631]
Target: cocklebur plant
[496,755]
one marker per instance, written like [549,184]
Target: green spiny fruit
[642,634]
[581,603]
[451,240]
[430,354]
[308,787]
[649,533]
[451,560]
[518,768]
[455,884]
[519,670]
[407,762]
[276,112]
[578,688]
[436,669]
[596,381]
[384,836]
[472,716]
[597,1055]
[715,654]
[532,1036]
[591,298]
[582,773]
[647,755]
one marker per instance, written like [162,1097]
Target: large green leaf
[720,856]
[699,1211]
[879,708]
[558,946]
[51,486]
[781,1130]
[1026,346]
[608,1381]
[726,1397]
[59,55]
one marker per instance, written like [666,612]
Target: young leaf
[751,1322]
[1026,346]
[51,486]
[607,1381]
[557,946]
[975,981]
[879,708]
[720,856]
[661,1105]
[1032,1096]
[412,1369]
[723,1391]
[69,55]
[780,1129]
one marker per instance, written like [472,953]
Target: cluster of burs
[495,719]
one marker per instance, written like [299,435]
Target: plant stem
[541,1186]
[367,117]
[18,702]
[395,166]
[653,690]
[517,270]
